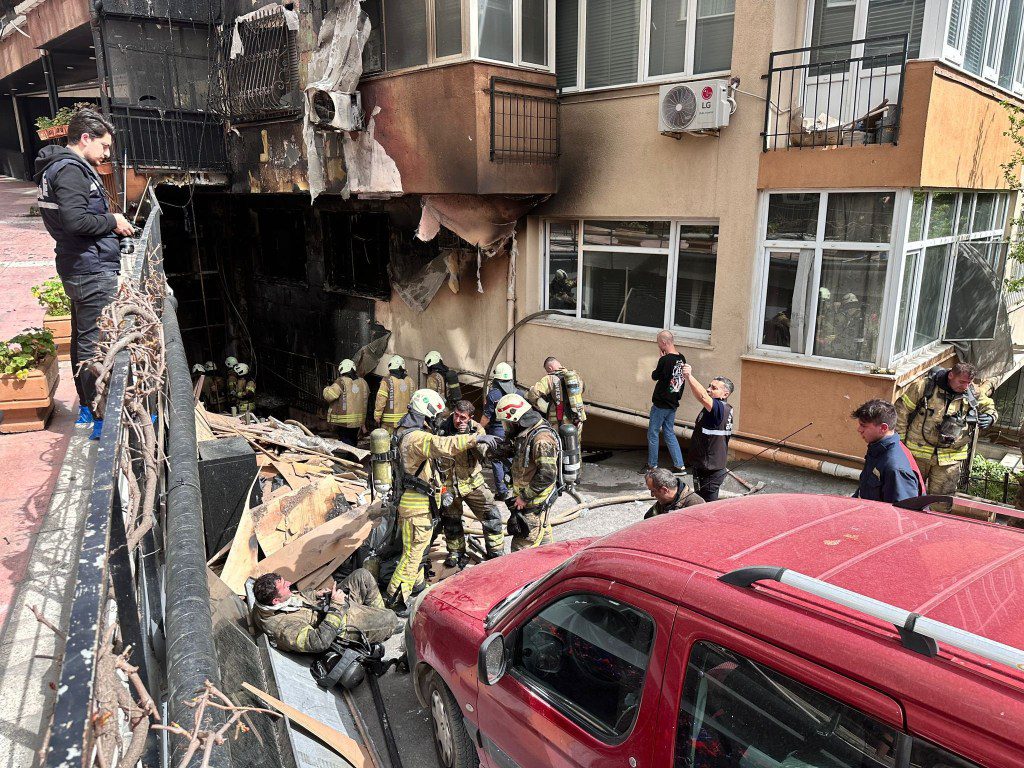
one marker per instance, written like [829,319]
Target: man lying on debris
[306,622]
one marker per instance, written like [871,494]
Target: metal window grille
[263,76]
[172,140]
[524,122]
[837,94]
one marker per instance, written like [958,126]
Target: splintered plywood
[283,519]
[243,555]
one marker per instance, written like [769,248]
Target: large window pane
[963,220]
[535,32]
[373,51]
[793,217]
[567,44]
[563,266]
[1011,43]
[668,37]
[832,26]
[983,211]
[906,302]
[447,27]
[496,29]
[613,42]
[859,217]
[643,234]
[977,26]
[849,304]
[896,17]
[695,276]
[405,33]
[929,302]
[625,287]
[954,35]
[917,217]
[778,302]
[940,222]
[713,46]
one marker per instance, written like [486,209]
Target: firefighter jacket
[923,406]
[243,393]
[392,402]
[535,466]
[469,469]
[416,448]
[553,390]
[436,382]
[347,398]
[295,625]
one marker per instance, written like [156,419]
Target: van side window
[735,713]
[925,755]
[588,656]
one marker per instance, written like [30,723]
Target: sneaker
[97,429]
[452,561]
[84,415]
[678,470]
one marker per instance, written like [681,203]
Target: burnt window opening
[280,239]
[262,67]
[356,253]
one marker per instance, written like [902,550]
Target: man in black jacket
[74,207]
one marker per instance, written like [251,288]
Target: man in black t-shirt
[709,448]
[669,377]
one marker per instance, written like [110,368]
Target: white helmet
[426,402]
[345,366]
[241,369]
[396,362]
[502,372]
[432,359]
[512,408]
[231,362]
[824,294]
[198,368]
[210,366]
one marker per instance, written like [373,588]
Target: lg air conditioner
[335,110]
[703,105]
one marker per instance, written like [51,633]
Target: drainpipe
[742,444]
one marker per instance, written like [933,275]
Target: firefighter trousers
[417,530]
[539,532]
[481,503]
[364,613]
[940,480]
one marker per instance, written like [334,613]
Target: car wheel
[451,740]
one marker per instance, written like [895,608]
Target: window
[646,274]
[752,715]
[588,654]
[356,252]
[984,37]
[513,31]
[495,29]
[634,41]
[836,23]
[447,28]
[925,755]
[405,34]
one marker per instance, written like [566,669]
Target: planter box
[60,327]
[54,132]
[27,404]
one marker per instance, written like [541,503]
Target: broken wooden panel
[283,520]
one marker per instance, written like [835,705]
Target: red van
[784,631]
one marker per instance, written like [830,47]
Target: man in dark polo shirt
[890,471]
[709,447]
[670,493]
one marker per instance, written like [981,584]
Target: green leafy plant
[988,478]
[1011,175]
[22,353]
[51,297]
[63,116]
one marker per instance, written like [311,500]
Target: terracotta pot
[60,327]
[53,132]
[26,404]
[105,169]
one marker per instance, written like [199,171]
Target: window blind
[895,17]
[956,12]
[668,37]
[977,26]
[613,42]
[567,30]
[1011,43]
[831,26]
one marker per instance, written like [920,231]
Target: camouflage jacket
[296,626]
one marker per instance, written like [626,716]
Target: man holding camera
[307,622]
[937,417]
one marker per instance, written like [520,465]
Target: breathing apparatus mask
[953,426]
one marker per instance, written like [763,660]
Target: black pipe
[385,723]
[191,656]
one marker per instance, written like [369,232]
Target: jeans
[663,420]
[89,295]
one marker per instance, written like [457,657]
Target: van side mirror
[493,659]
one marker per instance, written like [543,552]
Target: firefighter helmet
[396,363]
[198,368]
[210,366]
[432,359]
[346,366]
[502,372]
[426,402]
[512,408]
[241,369]
[231,362]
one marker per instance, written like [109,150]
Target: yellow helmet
[396,363]
[345,366]
[426,402]
[432,358]
[502,372]
[512,408]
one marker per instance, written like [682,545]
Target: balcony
[836,95]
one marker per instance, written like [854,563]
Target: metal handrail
[917,633]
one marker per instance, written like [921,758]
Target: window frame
[473,7]
[671,273]
[644,52]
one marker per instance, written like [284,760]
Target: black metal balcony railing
[171,140]
[524,122]
[840,94]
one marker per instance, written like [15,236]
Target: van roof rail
[917,633]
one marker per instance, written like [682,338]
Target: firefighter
[393,395]
[502,383]
[471,490]
[536,452]
[937,416]
[418,446]
[296,622]
[213,388]
[243,392]
[346,402]
[442,379]
[560,395]
[228,385]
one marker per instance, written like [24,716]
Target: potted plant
[51,297]
[28,379]
[56,127]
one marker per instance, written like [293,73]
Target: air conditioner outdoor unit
[335,110]
[703,105]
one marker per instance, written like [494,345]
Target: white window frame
[473,12]
[643,75]
[671,253]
